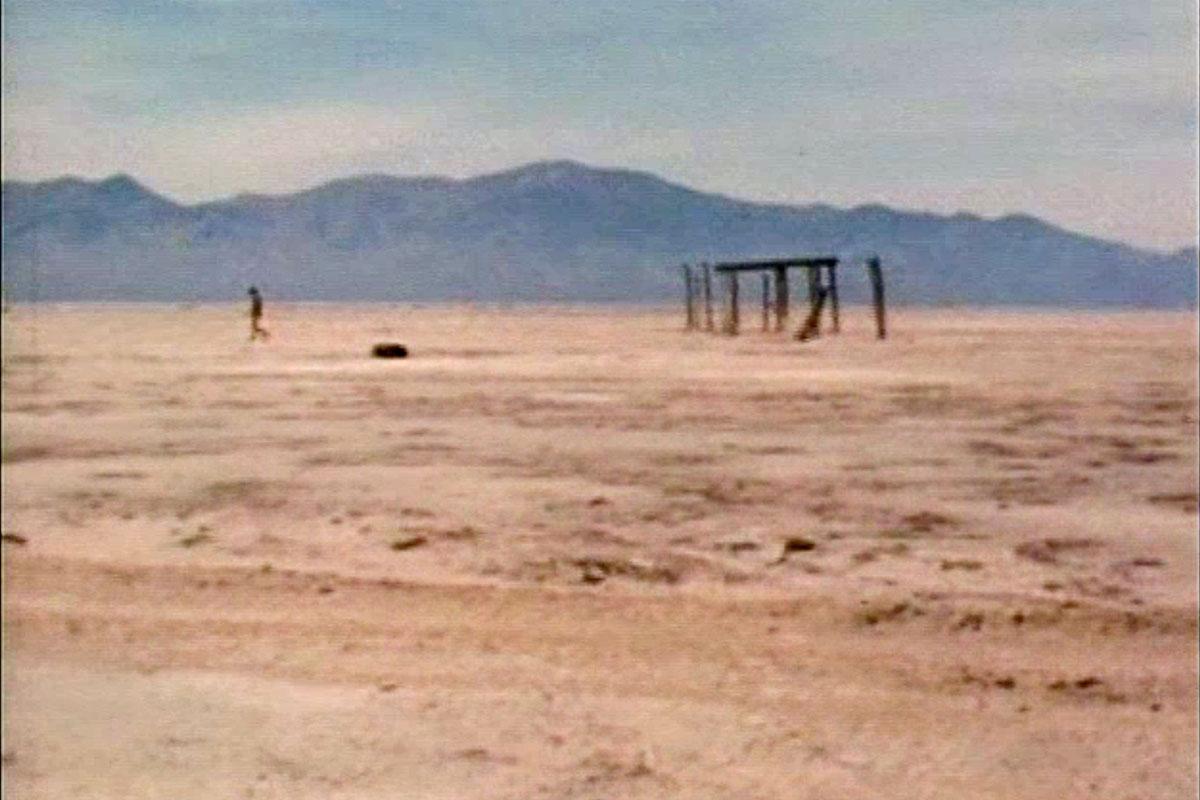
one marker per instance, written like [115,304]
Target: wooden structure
[821,273]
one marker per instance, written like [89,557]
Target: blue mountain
[554,230]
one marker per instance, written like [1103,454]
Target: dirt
[581,553]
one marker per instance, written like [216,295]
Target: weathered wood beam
[734,322]
[811,328]
[781,298]
[875,272]
[814,294]
[689,298]
[708,298]
[831,284]
[748,266]
[766,302]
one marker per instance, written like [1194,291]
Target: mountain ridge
[550,230]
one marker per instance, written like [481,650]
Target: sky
[1083,112]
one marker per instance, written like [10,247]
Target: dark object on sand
[389,350]
[13,538]
[409,543]
[794,544]
[798,544]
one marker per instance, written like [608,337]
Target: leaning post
[689,297]
[708,299]
[876,274]
[811,328]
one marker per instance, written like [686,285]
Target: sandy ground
[571,553]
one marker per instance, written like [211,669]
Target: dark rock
[409,543]
[389,350]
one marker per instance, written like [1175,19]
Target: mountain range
[548,231]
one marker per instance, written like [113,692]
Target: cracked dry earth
[579,553]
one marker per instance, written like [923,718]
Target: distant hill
[546,231]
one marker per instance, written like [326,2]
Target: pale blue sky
[1080,112]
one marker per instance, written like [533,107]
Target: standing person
[256,311]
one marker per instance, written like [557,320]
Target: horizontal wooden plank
[777,263]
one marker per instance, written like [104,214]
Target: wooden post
[814,291]
[766,302]
[833,297]
[734,311]
[708,300]
[812,326]
[689,297]
[781,298]
[876,275]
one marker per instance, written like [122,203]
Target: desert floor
[580,553]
